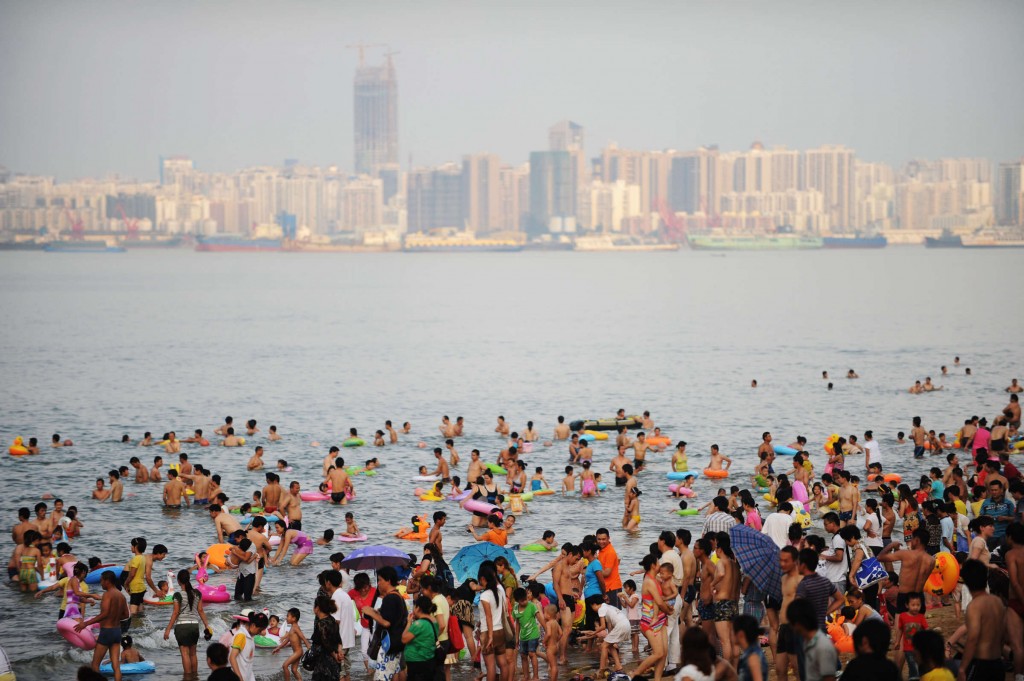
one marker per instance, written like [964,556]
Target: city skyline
[107,88]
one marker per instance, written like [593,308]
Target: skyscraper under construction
[376,116]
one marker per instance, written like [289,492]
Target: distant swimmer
[228,425]
[406,428]
[530,435]
[446,428]
[230,439]
[174,491]
[141,474]
[154,472]
[116,488]
[378,439]
[956,361]
[33,445]
[341,484]
[172,446]
[197,437]
[250,427]
[824,375]
[502,427]
[852,374]
[392,433]
[125,440]
[442,466]
[916,389]
[967,372]
[100,493]
[453,454]
[460,424]
[753,383]
[272,434]
[717,458]
[1012,412]
[184,467]
[647,423]
[562,429]
[147,440]
[1014,387]
[55,440]
[800,443]
[256,460]
[830,385]
[929,386]
[945,370]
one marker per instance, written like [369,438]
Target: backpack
[455,639]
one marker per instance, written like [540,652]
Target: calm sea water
[94,346]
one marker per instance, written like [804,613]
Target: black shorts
[262,564]
[771,603]
[570,601]
[691,593]
[638,464]
[982,670]
[109,636]
[788,642]
[12,572]
[620,482]
[337,497]
[136,599]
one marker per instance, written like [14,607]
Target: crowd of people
[692,607]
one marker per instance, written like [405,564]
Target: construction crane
[672,226]
[712,220]
[362,50]
[77,226]
[130,225]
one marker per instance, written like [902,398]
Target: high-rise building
[1011,193]
[514,198]
[694,183]
[435,198]
[552,192]
[376,117]
[829,169]
[362,204]
[481,192]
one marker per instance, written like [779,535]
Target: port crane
[77,226]
[131,225]
[672,226]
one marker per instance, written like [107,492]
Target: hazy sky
[97,87]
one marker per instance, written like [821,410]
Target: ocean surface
[96,346]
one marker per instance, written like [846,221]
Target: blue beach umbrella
[466,562]
[758,557]
[375,557]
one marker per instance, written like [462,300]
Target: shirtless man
[726,585]
[55,441]
[223,430]
[986,625]
[640,448]
[562,583]
[116,488]
[174,491]
[172,446]
[916,566]
[392,433]
[113,609]
[291,503]
[42,523]
[184,467]
[702,550]
[561,430]
[18,531]
[201,485]
[197,437]
[442,466]
[717,458]
[476,468]
[231,440]
[141,474]
[623,440]
[585,452]
[255,462]
[225,523]
[147,439]
[574,448]
[435,537]
[1012,411]
[100,494]
[261,545]
[766,447]
[689,563]
[446,427]
[502,427]
[272,494]
[919,435]
[340,482]
[849,500]
[328,461]
[453,454]
[615,466]
[647,423]
[783,639]
[154,472]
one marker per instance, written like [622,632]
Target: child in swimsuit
[202,561]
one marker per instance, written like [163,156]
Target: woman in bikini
[654,612]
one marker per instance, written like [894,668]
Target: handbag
[376,641]
[455,634]
[506,626]
[309,658]
[870,571]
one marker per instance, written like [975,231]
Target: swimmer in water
[753,383]
[631,518]
[231,440]
[569,481]
[147,440]
[392,433]
[283,466]
[154,472]
[100,493]
[502,427]
[55,441]
[116,488]
[901,438]
[141,474]
[172,446]
[453,454]
[351,528]
[125,440]
[272,435]
[406,428]
[537,481]
[33,445]
[228,425]
[460,425]
[197,437]
[250,427]
[824,375]
[446,428]
[378,438]
[852,374]
[561,430]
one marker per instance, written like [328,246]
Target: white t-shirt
[616,618]
[345,615]
[672,557]
[876,526]
[834,572]
[487,596]
[691,672]
[776,526]
[246,648]
[873,450]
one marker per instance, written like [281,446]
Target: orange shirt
[610,559]
[499,537]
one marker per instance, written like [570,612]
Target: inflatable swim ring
[314,496]
[944,576]
[269,641]
[84,639]
[762,490]
[831,440]
[94,576]
[716,474]
[253,509]
[761,481]
[676,475]
[461,495]
[420,536]
[679,489]
[166,600]
[594,435]
[129,668]
[241,441]
[1018,446]
[526,496]
[785,451]
[687,511]
[214,594]
[480,506]
[358,537]
[892,477]
[799,491]
[204,442]
[659,441]
[17,448]
[430,496]
[354,442]
[538,548]
[496,469]
[425,478]
[218,554]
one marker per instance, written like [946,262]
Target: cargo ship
[81,246]
[327,246]
[457,243]
[608,242]
[946,240]
[26,245]
[235,243]
[153,242]
[991,242]
[753,242]
[855,241]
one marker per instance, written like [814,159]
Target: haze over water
[96,346]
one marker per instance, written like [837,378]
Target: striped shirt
[818,591]
[718,522]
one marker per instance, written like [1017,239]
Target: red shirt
[1010,472]
[910,625]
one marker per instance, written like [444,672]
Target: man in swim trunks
[442,466]
[225,523]
[112,611]
[727,593]
[849,500]
[916,565]
[767,449]
[615,466]
[986,626]
[291,503]
[562,582]
[702,550]
[640,448]
[919,435]
[272,494]
[201,485]
[174,491]
[340,482]
[783,639]
[476,468]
